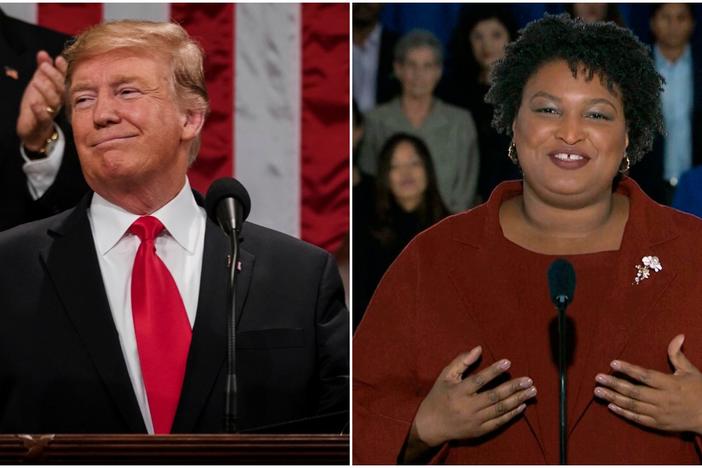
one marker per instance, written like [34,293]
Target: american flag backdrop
[277,76]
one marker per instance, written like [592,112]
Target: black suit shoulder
[30,237]
[261,240]
[23,37]
[387,86]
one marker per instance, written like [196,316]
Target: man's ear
[193,121]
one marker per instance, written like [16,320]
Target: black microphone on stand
[228,204]
[561,284]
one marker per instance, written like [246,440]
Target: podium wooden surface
[200,449]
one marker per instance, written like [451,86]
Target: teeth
[567,157]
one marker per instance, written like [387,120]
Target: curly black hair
[605,49]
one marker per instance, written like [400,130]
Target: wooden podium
[200,449]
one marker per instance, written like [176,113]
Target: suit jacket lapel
[208,348]
[243,280]
[503,334]
[72,265]
[648,229]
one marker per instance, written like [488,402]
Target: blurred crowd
[424,146]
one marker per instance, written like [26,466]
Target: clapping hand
[41,101]
[669,402]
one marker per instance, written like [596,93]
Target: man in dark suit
[373,57]
[82,317]
[62,180]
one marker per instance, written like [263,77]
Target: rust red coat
[462,284]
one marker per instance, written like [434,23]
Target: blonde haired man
[87,313]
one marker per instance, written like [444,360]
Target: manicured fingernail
[504,364]
[521,408]
[615,364]
[613,407]
[526,383]
[531,392]
[601,378]
[475,350]
[599,392]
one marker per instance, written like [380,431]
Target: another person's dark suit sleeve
[19,44]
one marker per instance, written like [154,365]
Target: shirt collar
[110,222]
[373,39]
[662,61]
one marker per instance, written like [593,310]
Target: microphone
[561,285]
[228,204]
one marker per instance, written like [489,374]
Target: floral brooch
[649,263]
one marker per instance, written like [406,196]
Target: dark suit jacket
[19,44]
[61,366]
[461,284]
[648,173]
[387,86]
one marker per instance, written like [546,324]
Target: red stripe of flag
[69,18]
[325,124]
[212,25]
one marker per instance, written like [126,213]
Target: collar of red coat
[653,222]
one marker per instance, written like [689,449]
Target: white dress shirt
[365,70]
[41,173]
[180,246]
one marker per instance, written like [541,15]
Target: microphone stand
[231,412]
[562,363]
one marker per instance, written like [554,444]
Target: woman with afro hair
[453,360]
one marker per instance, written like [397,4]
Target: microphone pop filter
[561,282]
[226,187]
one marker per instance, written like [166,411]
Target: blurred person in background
[478,42]
[39,170]
[448,131]
[672,25]
[363,183]
[407,201]
[591,12]
[373,45]
[688,194]
[362,213]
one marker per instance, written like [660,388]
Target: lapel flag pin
[229,262]
[11,72]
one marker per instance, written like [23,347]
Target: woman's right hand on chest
[455,408]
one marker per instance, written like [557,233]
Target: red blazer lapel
[649,230]
[502,334]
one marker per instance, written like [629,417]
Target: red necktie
[161,325]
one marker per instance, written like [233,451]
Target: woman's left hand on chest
[669,402]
